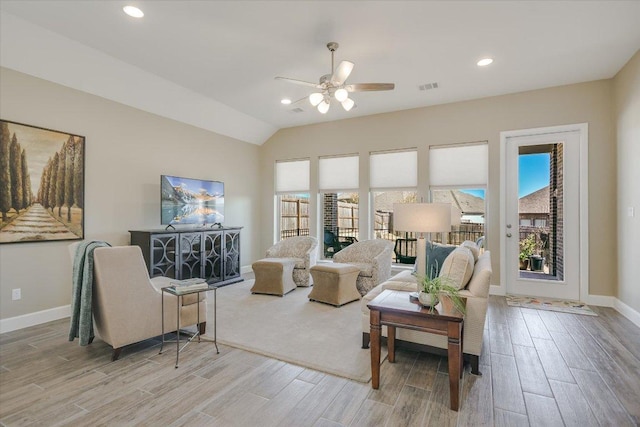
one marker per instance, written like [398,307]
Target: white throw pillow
[458,267]
[475,250]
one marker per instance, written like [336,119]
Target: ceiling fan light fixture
[323,107]
[285,101]
[348,104]
[316,98]
[341,94]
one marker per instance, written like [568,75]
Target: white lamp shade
[456,214]
[316,98]
[323,107]
[348,104]
[341,94]
[422,217]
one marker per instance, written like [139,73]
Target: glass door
[542,215]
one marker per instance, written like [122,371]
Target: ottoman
[334,283]
[274,276]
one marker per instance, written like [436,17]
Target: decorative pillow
[436,254]
[473,247]
[458,267]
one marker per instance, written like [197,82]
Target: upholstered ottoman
[274,276]
[334,283]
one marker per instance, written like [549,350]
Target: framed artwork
[41,184]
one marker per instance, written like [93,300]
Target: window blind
[338,173]
[398,169]
[462,166]
[292,176]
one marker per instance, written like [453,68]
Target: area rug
[293,329]
[550,304]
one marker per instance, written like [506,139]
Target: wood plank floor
[539,368]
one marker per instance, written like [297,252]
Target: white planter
[428,300]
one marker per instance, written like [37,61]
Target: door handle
[508,225]
[508,234]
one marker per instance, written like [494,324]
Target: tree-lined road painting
[41,184]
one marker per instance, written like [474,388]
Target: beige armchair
[127,304]
[372,257]
[304,249]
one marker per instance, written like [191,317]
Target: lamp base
[421,256]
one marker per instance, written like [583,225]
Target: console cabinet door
[213,256]
[231,254]
[190,257]
[163,255]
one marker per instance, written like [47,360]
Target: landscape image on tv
[191,201]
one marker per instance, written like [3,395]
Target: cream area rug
[293,329]
[550,304]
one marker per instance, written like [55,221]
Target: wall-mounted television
[191,201]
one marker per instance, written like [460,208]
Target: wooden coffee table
[395,310]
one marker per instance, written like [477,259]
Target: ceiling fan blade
[365,87]
[299,82]
[342,73]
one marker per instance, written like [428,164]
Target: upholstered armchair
[373,257]
[304,249]
[127,304]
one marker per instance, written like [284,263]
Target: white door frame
[583,130]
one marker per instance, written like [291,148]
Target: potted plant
[527,249]
[431,289]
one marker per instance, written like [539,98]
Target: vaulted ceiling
[212,63]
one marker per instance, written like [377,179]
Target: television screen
[191,201]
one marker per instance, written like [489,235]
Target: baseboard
[497,290]
[627,311]
[32,319]
[600,300]
[246,269]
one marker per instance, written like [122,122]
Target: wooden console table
[395,310]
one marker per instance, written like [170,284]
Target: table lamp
[422,218]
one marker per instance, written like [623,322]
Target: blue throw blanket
[81,314]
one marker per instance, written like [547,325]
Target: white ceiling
[227,53]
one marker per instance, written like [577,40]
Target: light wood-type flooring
[539,368]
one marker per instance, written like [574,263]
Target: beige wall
[626,89]
[126,152]
[477,120]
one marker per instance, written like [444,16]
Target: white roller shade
[338,173]
[466,165]
[394,170]
[292,176]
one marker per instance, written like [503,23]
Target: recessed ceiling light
[133,11]
[484,62]
[285,101]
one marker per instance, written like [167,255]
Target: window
[525,222]
[338,182]
[458,175]
[292,198]
[393,179]
[540,222]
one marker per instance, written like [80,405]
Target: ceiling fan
[334,85]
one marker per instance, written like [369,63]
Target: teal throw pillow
[436,254]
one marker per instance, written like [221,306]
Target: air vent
[297,110]
[428,86]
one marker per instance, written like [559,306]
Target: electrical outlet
[16,294]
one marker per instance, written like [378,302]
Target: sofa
[475,289]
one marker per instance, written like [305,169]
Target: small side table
[395,310]
[172,290]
